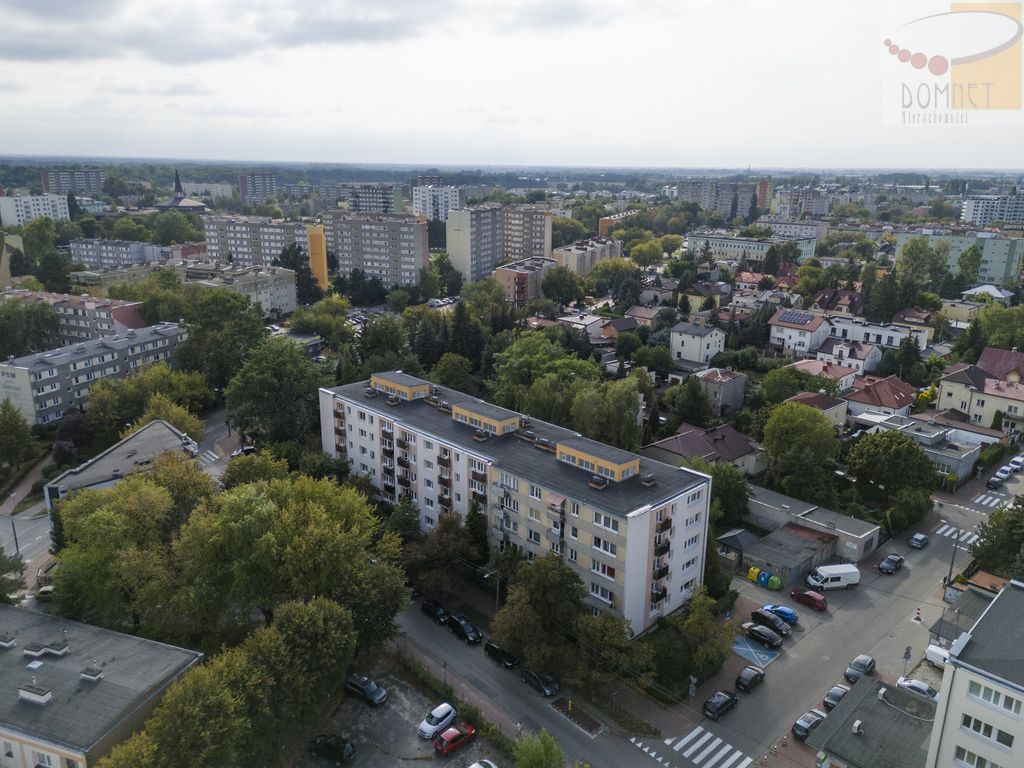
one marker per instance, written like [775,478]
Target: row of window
[994,697]
[966,757]
[987,730]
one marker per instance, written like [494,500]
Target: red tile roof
[889,392]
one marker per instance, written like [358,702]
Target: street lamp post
[497,587]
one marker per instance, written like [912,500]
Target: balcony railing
[662,549]
[387,450]
[657,595]
[403,444]
[480,477]
[664,525]
[660,573]
[389,480]
[443,461]
[443,481]
[481,497]
[339,431]
[403,462]
[403,481]
[387,430]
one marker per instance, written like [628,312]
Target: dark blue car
[784,612]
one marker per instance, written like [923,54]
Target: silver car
[439,718]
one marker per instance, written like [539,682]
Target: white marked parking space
[699,747]
[753,652]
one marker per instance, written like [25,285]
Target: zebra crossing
[208,457]
[699,747]
[988,499]
[963,536]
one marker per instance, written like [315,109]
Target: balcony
[403,444]
[388,480]
[387,450]
[387,430]
[339,412]
[403,462]
[341,450]
[657,595]
[403,481]
[444,482]
[660,550]
[444,461]
[664,525]
[480,477]
[660,573]
[446,509]
[481,497]
[340,431]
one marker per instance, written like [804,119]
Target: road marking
[699,743]
[209,456]
[942,531]
[691,735]
[745,763]
[711,748]
[722,753]
[736,756]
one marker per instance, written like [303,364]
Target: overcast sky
[706,83]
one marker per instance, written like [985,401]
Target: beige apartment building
[980,392]
[633,529]
[583,255]
[481,237]
[521,280]
[251,241]
[390,246]
[527,232]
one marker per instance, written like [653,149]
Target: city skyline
[509,83]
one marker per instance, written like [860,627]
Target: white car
[918,687]
[439,718]
[483,764]
[1003,473]
[1016,463]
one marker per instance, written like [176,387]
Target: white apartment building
[984,210]
[435,202]
[19,210]
[481,237]
[729,247]
[795,228]
[83,317]
[633,529]
[693,343]
[390,246]
[93,253]
[44,385]
[1001,257]
[885,335]
[81,181]
[212,189]
[251,241]
[978,721]
[582,255]
[796,333]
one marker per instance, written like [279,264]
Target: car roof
[441,708]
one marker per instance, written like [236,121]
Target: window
[574,532]
[604,545]
[695,496]
[985,729]
[968,758]
[601,593]
[574,510]
[606,521]
[534,491]
[533,514]
[572,554]
[509,482]
[994,697]
[692,541]
[604,570]
[429,503]
[534,536]
[556,547]
[41,758]
[428,445]
[693,519]
[690,563]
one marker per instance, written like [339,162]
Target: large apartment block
[983,210]
[372,198]
[83,317]
[45,385]
[251,241]
[633,529]
[392,247]
[582,255]
[271,288]
[81,182]
[795,228]
[978,722]
[93,253]
[719,196]
[20,210]
[257,187]
[731,247]
[1001,257]
[212,189]
[521,280]
[436,202]
[482,237]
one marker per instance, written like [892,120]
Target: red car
[453,738]
[815,600]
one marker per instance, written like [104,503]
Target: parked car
[836,692]
[484,763]
[784,612]
[1003,473]
[770,620]
[333,748]
[891,564]
[762,634]
[808,721]
[461,627]
[749,678]
[862,665]
[500,655]
[364,688]
[434,610]
[244,450]
[810,598]
[45,593]
[936,656]
[919,541]
[1016,463]
[437,719]
[719,703]
[993,482]
[838,576]
[544,684]
[453,738]
[918,687]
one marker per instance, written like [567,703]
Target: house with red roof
[890,396]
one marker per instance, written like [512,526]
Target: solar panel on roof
[798,318]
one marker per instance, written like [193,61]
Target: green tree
[566,232]
[26,328]
[709,304]
[253,468]
[12,576]
[529,358]
[430,282]
[891,460]
[1000,538]
[728,487]
[53,270]
[398,300]
[799,442]
[275,392]
[15,435]
[562,285]
[539,750]
[223,328]
[173,227]
[609,412]
[608,654]
[438,562]
[454,371]
[647,254]
[626,343]
[708,640]
[969,263]
[292,257]
[328,319]
[162,407]
[476,533]
[127,228]
[686,402]
[657,359]
[404,520]
[39,237]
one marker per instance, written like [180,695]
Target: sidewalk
[24,487]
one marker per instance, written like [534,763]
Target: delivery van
[842,576]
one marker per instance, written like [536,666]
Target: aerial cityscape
[365,399]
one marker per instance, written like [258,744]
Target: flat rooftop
[805,511]
[81,712]
[994,643]
[522,457]
[90,347]
[790,546]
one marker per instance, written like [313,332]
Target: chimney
[34,693]
[857,730]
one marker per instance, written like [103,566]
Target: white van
[936,655]
[841,576]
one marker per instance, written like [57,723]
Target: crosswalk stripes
[961,535]
[699,747]
[208,457]
[988,500]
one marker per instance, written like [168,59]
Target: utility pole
[952,557]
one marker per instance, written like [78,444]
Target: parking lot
[387,736]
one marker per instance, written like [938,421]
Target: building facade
[729,247]
[94,253]
[435,202]
[248,241]
[20,210]
[83,317]
[257,187]
[392,247]
[693,343]
[978,721]
[212,189]
[475,240]
[371,198]
[885,335]
[633,529]
[1001,257]
[521,280]
[984,210]
[81,182]
[583,255]
[527,232]
[43,386]
[270,288]
[795,228]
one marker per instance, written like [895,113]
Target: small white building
[797,333]
[695,343]
[859,355]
